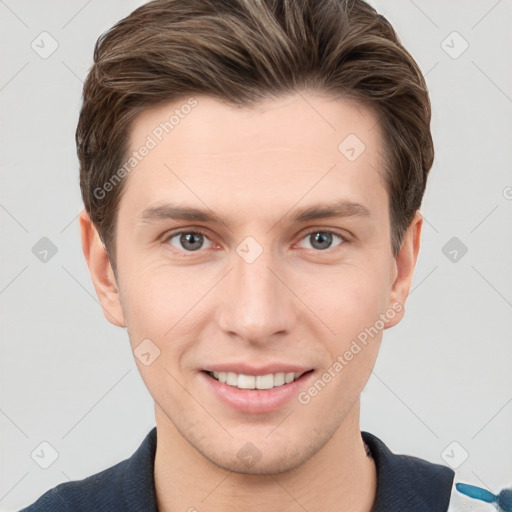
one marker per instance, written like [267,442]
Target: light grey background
[68,377]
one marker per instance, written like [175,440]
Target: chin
[254,459]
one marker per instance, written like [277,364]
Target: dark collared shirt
[404,484]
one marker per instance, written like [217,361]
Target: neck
[340,476]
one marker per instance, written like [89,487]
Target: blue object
[503,499]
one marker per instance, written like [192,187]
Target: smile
[255,394]
[269,381]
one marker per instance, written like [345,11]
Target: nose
[256,302]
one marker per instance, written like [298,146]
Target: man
[252,172]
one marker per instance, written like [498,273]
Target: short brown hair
[242,51]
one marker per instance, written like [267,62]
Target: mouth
[256,394]
[256,382]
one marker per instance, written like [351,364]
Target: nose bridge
[256,303]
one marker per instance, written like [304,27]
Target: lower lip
[256,400]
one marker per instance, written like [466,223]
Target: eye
[322,240]
[192,241]
[189,240]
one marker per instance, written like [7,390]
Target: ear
[405,263]
[101,271]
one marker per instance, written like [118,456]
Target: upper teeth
[256,381]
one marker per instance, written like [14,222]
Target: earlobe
[405,264]
[101,271]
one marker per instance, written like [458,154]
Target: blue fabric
[404,484]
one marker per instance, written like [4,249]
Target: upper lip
[266,369]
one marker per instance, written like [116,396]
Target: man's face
[259,292]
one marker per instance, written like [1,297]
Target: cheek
[352,300]
[353,316]
[159,303]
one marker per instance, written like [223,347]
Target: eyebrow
[338,209]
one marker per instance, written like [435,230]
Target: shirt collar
[406,483]
[139,481]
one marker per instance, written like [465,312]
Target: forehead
[301,143]
[202,122]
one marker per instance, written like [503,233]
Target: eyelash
[198,231]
